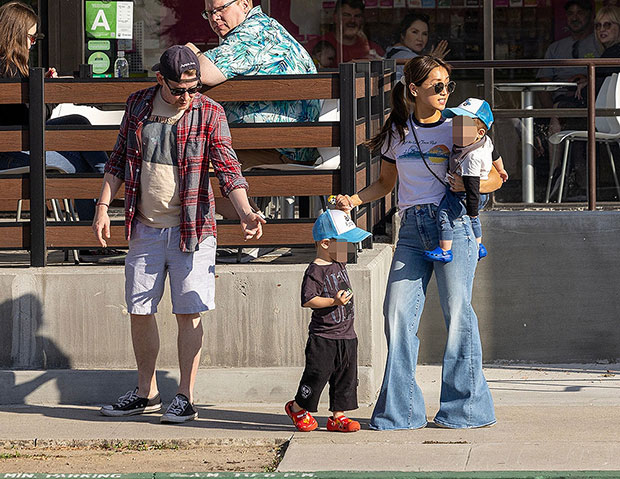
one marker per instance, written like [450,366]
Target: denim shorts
[155,252]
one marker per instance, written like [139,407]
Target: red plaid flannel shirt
[203,137]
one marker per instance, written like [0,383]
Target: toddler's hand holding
[343,297]
[503,174]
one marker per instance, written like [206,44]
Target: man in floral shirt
[169,137]
[254,44]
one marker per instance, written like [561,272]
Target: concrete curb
[331,475]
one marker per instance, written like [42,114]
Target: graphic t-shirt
[417,185]
[325,281]
[159,203]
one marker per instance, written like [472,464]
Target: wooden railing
[362,90]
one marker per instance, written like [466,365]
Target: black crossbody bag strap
[415,135]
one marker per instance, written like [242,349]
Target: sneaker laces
[177,406]
[127,398]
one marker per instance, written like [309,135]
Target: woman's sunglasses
[604,25]
[439,87]
[181,91]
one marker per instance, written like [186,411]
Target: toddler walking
[331,350]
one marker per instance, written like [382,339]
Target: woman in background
[412,38]
[607,28]
[18,33]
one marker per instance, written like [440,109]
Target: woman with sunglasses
[18,33]
[415,144]
[607,29]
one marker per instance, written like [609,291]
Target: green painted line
[328,475]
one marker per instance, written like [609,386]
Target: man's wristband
[101,203]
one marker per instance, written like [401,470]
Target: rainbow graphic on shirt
[437,154]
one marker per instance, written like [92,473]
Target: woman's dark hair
[406,22]
[416,71]
[16,19]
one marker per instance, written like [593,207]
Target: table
[527,90]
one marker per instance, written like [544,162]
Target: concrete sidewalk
[549,418]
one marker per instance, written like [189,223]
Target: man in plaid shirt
[169,136]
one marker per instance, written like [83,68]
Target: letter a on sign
[100,21]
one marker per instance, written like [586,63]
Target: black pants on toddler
[333,360]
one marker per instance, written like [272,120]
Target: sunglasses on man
[181,91]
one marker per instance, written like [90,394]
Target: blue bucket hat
[473,108]
[336,224]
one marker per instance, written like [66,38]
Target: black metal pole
[591,139]
[36,134]
[348,143]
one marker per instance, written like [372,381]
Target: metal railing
[361,90]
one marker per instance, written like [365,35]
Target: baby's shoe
[482,251]
[303,420]
[438,255]
[342,424]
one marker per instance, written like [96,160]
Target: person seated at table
[581,43]
[412,38]
[254,44]
[324,54]
[607,28]
[348,37]
[18,33]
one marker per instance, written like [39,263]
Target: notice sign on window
[109,20]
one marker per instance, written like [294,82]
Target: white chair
[608,131]
[94,115]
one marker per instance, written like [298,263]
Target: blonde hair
[613,13]
[16,19]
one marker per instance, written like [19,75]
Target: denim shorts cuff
[195,310]
[141,311]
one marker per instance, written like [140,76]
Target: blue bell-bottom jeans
[466,400]
[66,161]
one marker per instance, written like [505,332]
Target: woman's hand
[440,50]
[493,183]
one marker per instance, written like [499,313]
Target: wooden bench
[361,88]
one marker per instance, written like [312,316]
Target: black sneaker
[180,410]
[130,403]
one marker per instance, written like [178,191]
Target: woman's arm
[381,187]
[493,183]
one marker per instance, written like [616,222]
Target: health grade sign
[109,20]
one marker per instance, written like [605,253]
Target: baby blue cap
[473,108]
[336,224]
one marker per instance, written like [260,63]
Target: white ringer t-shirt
[417,185]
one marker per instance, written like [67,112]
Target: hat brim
[155,68]
[456,111]
[353,236]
